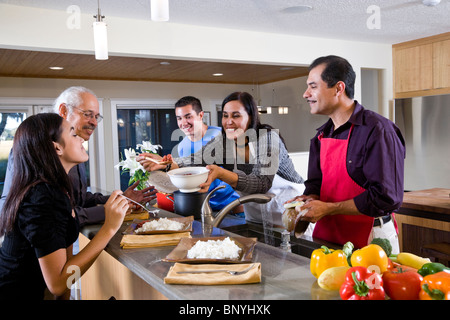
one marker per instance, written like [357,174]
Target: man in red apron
[356,164]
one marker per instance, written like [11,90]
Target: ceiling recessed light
[297,9]
[431,3]
[217,74]
[165,63]
[56,68]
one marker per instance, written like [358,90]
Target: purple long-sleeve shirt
[375,161]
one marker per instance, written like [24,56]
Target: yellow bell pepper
[370,255]
[324,258]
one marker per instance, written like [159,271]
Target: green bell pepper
[431,268]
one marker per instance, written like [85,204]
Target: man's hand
[142,196]
[304,198]
[152,162]
[317,209]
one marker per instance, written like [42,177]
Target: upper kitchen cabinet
[441,64]
[422,67]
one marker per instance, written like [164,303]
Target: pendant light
[281,109]
[100,36]
[159,10]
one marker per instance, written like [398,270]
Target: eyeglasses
[88,115]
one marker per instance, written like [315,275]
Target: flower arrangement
[131,165]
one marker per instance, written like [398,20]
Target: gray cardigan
[268,156]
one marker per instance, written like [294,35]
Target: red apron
[338,186]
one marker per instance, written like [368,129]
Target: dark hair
[251,108]
[337,69]
[35,161]
[196,104]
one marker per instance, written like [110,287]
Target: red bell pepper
[361,284]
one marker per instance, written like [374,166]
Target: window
[138,124]
[10,120]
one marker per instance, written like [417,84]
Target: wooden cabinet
[414,68]
[441,64]
[107,278]
[422,67]
[423,219]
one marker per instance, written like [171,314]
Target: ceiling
[21,63]
[400,20]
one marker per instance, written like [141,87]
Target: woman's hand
[55,266]
[216,172]
[212,175]
[115,209]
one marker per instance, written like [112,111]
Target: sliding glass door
[143,124]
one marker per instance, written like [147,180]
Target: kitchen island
[139,274]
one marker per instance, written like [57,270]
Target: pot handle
[169,198]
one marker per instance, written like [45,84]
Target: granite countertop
[285,275]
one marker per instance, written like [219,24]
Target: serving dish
[179,253]
[137,223]
[188,179]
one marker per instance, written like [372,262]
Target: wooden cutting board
[433,200]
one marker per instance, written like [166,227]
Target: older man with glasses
[80,107]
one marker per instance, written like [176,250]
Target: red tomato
[402,283]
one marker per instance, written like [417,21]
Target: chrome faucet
[209,221]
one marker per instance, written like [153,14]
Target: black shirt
[43,225]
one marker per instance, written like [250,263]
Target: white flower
[130,154]
[130,162]
[147,146]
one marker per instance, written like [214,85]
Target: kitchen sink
[303,246]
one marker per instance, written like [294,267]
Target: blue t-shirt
[221,197]
[187,147]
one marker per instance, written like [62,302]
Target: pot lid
[161,181]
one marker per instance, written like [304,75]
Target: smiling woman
[250,156]
[38,221]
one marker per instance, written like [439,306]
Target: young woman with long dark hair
[38,221]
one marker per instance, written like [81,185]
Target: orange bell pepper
[436,286]
[370,255]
